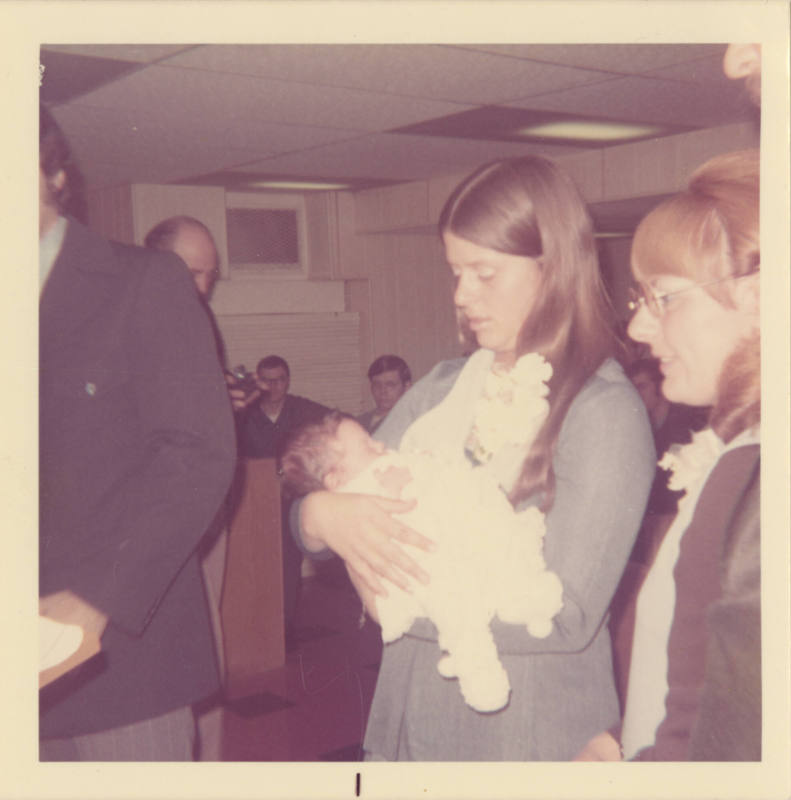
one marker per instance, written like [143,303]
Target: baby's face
[357,449]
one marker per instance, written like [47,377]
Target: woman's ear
[57,181]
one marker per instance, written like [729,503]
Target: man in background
[277,412]
[390,377]
[192,241]
[263,429]
[136,455]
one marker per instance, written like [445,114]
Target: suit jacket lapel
[77,287]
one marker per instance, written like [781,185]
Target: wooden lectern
[251,608]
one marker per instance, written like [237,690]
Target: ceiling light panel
[390,156]
[649,100]
[589,131]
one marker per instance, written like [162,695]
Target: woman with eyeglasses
[694,689]
[530,302]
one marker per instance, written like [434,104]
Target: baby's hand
[393,479]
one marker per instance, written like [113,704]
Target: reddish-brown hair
[530,207]
[707,232]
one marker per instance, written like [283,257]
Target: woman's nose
[642,326]
[463,290]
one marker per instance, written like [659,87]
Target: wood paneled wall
[110,213]
[388,236]
[303,320]
[381,248]
[321,350]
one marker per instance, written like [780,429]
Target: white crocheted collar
[512,407]
[490,412]
[690,463]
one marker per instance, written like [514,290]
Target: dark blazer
[136,454]
[728,724]
[714,648]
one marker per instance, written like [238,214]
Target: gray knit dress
[562,687]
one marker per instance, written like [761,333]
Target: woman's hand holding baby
[602,747]
[364,533]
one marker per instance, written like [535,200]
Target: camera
[244,380]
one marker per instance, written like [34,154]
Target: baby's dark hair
[307,458]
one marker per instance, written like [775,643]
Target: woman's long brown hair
[530,207]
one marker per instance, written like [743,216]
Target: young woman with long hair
[520,243]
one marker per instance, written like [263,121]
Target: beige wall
[375,254]
[388,235]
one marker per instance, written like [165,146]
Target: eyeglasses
[656,302]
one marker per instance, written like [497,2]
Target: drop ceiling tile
[643,99]
[141,146]
[305,110]
[397,157]
[101,174]
[703,70]
[98,173]
[118,129]
[143,53]
[622,58]
[426,71]
[68,75]
[231,98]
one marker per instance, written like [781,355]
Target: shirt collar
[49,246]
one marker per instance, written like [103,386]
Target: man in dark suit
[136,455]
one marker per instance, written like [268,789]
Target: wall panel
[321,217]
[110,213]
[663,165]
[322,351]
[358,301]
[404,205]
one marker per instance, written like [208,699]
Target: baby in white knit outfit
[488,559]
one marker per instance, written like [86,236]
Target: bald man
[192,241]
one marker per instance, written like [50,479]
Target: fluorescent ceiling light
[300,185]
[587,130]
